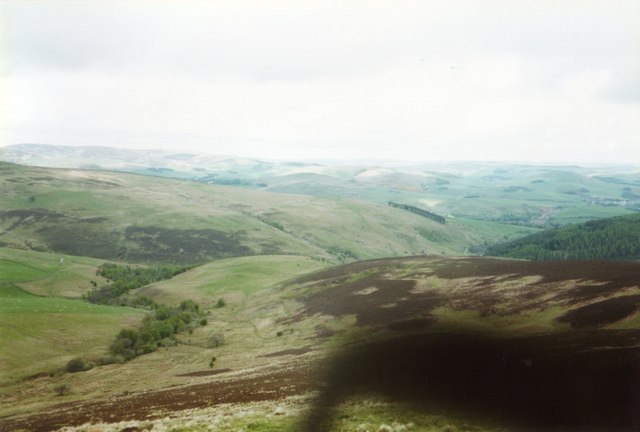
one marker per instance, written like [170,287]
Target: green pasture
[12,271]
[245,275]
[583,213]
[40,334]
[48,274]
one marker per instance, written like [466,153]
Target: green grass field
[47,274]
[244,275]
[39,329]
[40,334]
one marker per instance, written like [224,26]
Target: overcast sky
[543,80]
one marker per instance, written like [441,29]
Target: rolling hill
[276,337]
[281,318]
[149,219]
[43,322]
[505,193]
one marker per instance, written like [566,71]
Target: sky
[493,80]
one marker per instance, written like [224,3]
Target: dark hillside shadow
[573,381]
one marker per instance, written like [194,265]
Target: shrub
[76,365]
[168,342]
[158,329]
[189,306]
[62,389]
[215,340]
[107,360]
[221,303]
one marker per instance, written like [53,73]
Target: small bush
[221,303]
[107,360]
[62,389]
[168,342]
[215,340]
[76,365]
[203,322]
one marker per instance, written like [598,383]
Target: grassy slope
[242,276]
[533,194]
[48,274]
[32,344]
[83,205]
[247,323]
[39,330]
[265,316]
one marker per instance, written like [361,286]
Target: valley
[295,273]
[283,216]
[275,337]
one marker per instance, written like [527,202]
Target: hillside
[148,219]
[275,336]
[279,320]
[472,192]
[616,238]
[43,323]
[161,163]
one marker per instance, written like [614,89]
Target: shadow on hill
[383,292]
[573,381]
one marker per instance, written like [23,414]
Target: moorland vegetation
[199,294]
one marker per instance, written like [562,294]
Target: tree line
[616,238]
[419,211]
[123,278]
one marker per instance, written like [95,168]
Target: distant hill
[610,238]
[139,218]
[161,163]
[514,195]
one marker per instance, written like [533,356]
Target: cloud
[439,80]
